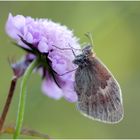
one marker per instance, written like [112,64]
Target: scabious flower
[46,39]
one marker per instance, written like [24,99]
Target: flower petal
[50,88]
[70,96]
[11,29]
[43,47]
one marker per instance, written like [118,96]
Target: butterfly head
[83,59]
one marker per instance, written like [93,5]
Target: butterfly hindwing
[99,95]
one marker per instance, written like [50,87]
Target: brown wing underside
[99,95]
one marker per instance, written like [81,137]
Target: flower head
[39,37]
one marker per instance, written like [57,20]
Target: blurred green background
[116,32]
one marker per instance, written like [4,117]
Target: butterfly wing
[99,94]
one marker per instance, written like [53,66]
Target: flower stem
[8,101]
[21,106]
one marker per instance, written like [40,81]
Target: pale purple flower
[39,38]
[19,67]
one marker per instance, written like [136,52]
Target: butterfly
[99,94]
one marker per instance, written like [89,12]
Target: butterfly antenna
[89,36]
[61,48]
[71,48]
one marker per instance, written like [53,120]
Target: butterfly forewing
[99,94]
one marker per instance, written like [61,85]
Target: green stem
[21,106]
